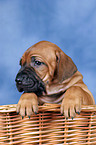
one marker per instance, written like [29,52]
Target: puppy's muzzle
[28,81]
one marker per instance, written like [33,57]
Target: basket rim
[46,107]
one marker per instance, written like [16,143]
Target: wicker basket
[48,127]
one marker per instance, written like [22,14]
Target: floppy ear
[65,66]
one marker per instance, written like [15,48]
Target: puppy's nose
[19,80]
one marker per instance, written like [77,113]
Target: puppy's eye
[37,62]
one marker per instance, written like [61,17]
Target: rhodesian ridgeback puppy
[48,75]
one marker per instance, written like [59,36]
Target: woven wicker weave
[48,127]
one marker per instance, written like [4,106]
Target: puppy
[48,75]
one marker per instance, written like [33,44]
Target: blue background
[71,24]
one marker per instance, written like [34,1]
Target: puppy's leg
[73,99]
[27,104]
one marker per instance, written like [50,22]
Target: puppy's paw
[27,105]
[70,106]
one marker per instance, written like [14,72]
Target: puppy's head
[43,63]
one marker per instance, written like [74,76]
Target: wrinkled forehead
[44,49]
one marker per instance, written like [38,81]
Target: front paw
[70,106]
[27,105]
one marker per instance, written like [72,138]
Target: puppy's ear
[65,66]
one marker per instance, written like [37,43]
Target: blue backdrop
[70,24]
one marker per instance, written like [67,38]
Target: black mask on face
[28,81]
